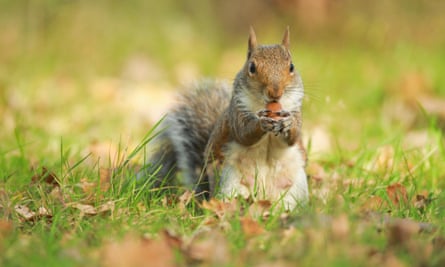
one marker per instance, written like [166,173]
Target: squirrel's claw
[263,113]
[283,125]
[267,124]
[284,113]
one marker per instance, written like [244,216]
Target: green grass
[71,105]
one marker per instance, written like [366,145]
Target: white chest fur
[270,170]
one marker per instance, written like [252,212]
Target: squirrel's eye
[252,68]
[291,68]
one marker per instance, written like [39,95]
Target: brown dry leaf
[56,194]
[209,247]
[279,263]
[417,139]
[28,215]
[5,204]
[42,211]
[221,208]
[374,203]
[397,194]
[411,86]
[105,179]
[290,235]
[385,259]
[340,227]
[46,176]
[87,187]
[185,199]
[384,159]
[400,231]
[316,172]
[251,227]
[105,152]
[260,209]
[107,206]
[85,209]
[91,210]
[172,239]
[434,105]
[439,243]
[25,212]
[6,228]
[138,252]
[421,200]
[169,200]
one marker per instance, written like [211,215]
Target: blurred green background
[87,71]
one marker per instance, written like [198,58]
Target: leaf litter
[209,243]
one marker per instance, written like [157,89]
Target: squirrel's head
[269,67]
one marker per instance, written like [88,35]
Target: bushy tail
[161,166]
[186,130]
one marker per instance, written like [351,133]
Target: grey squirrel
[242,140]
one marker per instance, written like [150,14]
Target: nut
[274,109]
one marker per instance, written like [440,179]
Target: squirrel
[242,140]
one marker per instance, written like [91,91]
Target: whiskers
[314,93]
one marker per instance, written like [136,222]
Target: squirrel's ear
[252,42]
[286,39]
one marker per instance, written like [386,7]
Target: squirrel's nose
[274,98]
[274,93]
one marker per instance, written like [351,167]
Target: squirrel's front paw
[285,124]
[268,124]
[278,122]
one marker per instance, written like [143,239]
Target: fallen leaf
[138,252]
[105,179]
[105,152]
[5,204]
[316,172]
[422,200]
[417,139]
[279,263]
[173,240]
[340,227]
[397,194]
[28,215]
[42,211]
[46,176]
[383,160]
[185,199]
[385,259]
[87,186]
[434,106]
[439,243]
[107,206]
[6,228]
[56,194]
[260,209]
[411,86]
[208,247]
[85,209]
[373,203]
[251,227]
[221,208]
[25,212]
[91,210]
[400,231]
